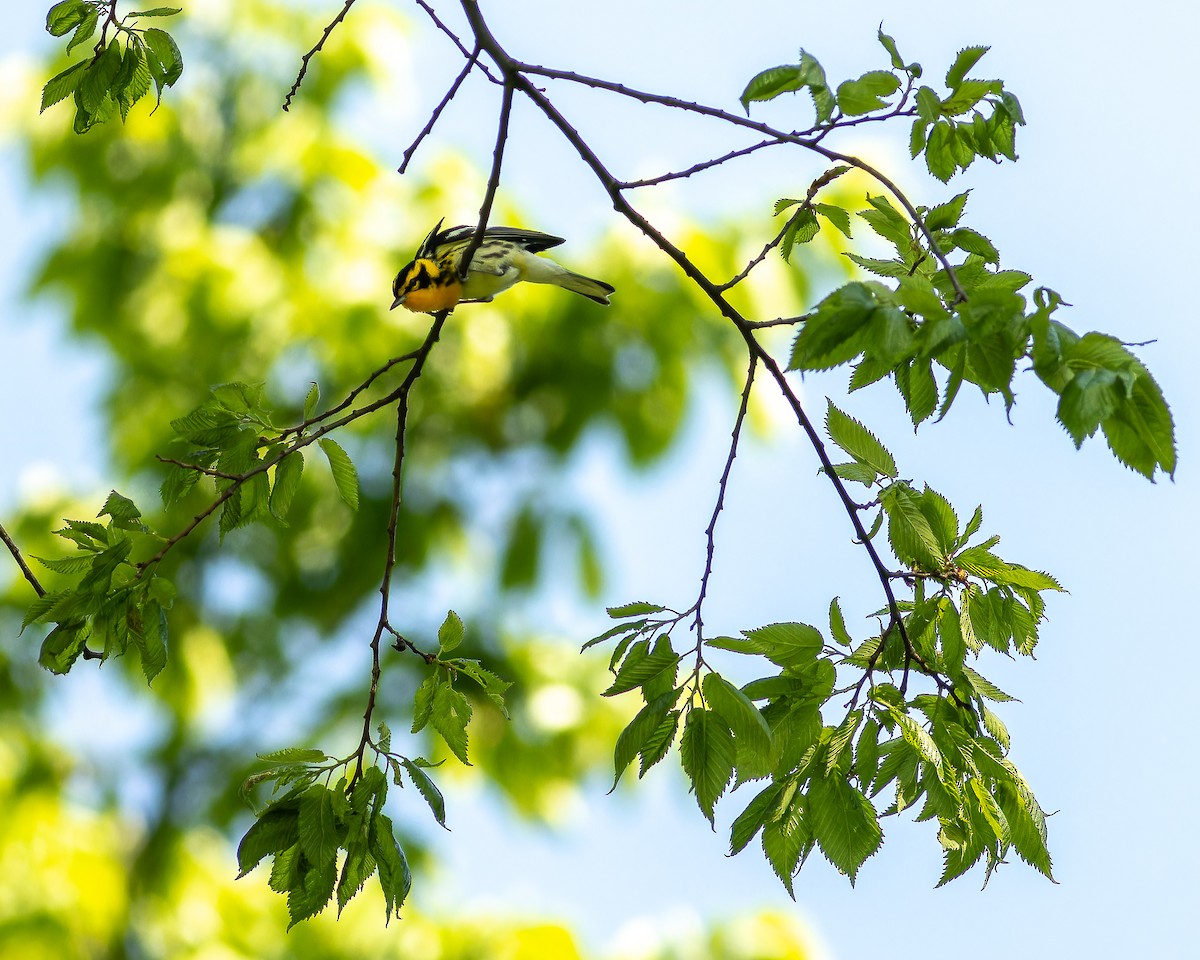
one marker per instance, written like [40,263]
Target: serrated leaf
[345,476]
[786,838]
[640,729]
[162,45]
[706,752]
[972,242]
[844,823]
[65,16]
[747,823]
[837,624]
[658,743]
[984,687]
[839,217]
[119,508]
[856,440]
[638,608]
[276,829]
[288,473]
[62,85]
[787,644]
[450,633]
[841,739]
[295,755]
[155,12]
[867,93]
[449,717]
[642,665]
[945,216]
[966,59]
[428,789]
[319,833]
[154,640]
[739,712]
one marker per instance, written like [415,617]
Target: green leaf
[912,539]
[984,687]
[834,333]
[856,440]
[789,78]
[839,217]
[856,97]
[319,833]
[659,742]
[742,716]
[295,755]
[156,12]
[844,823]
[641,728]
[967,239]
[747,824]
[945,216]
[62,647]
[65,16]
[837,624]
[276,829]
[395,877]
[450,715]
[428,789]
[162,46]
[642,665]
[450,633]
[786,838]
[345,477]
[154,639]
[890,46]
[966,59]
[801,228]
[629,627]
[706,752]
[288,472]
[786,644]
[939,151]
[888,222]
[119,508]
[841,739]
[638,608]
[97,81]
[86,29]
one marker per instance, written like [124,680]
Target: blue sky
[1100,207]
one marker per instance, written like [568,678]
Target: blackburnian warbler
[506,256]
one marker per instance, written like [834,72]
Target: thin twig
[437,111]
[493,182]
[16,555]
[311,53]
[350,397]
[722,486]
[771,245]
[777,322]
[207,471]
[807,142]
[389,563]
[698,167]
[454,37]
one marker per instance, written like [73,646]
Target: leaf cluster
[115,605]
[825,780]
[313,826]
[122,66]
[932,324]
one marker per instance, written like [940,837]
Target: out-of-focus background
[222,239]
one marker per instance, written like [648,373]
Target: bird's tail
[544,270]
[596,290]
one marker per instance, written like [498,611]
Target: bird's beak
[395,303]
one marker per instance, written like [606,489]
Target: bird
[507,255]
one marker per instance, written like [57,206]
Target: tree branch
[389,564]
[313,52]
[437,111]
[16,555]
